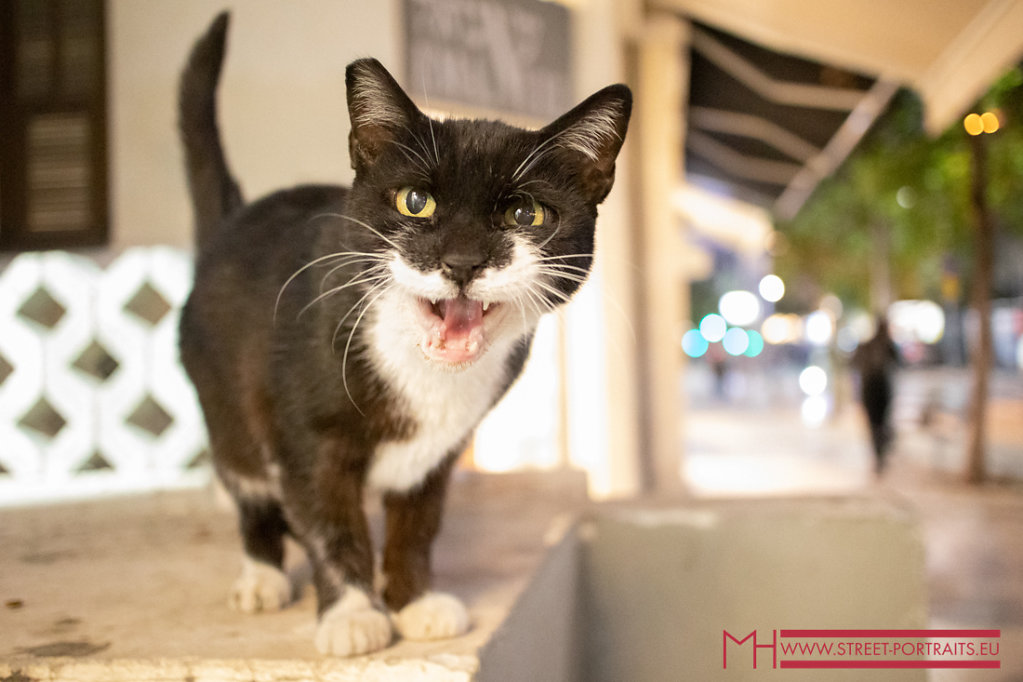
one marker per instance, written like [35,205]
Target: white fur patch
[353,626]
[435,615]
[445,402]
[260,587]
[429,285]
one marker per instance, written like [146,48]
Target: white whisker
[350,261]
[361,224]
[344,358]
[298,272]
[362,278]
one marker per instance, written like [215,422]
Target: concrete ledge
[661,583]
[135,589]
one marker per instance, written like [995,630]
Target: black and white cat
[344,340]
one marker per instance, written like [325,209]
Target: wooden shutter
[53,166]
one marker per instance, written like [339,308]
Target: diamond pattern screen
[93,398]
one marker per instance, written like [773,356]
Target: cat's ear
[378,108]
[591,135]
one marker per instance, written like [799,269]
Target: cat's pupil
[415,201]
[524,215]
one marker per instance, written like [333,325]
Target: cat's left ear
[379,110]
[591,135]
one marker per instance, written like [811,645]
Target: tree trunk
[881,268]
[983,276]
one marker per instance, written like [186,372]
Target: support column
[661,76]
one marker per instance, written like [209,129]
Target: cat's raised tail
[215,194]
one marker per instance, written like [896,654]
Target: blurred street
[750,437]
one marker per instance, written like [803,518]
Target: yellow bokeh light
[974,124]
[990,121]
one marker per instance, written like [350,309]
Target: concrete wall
[659,586]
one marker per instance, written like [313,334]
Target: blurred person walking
[876,360]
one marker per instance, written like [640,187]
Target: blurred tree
[907,214]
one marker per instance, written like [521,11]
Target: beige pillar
[661,79]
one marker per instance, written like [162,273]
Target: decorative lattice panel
[93,398]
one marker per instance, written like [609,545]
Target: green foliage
[907,193]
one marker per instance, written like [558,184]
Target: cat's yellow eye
[525,213]
[414,203]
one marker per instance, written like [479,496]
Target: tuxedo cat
[345,340]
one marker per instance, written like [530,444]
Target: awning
[781,91]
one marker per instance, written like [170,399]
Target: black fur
[294,404]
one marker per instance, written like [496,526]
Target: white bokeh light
[739,308]
[772,288]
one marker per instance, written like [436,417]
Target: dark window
[53,166]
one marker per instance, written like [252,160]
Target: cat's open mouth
[453,329]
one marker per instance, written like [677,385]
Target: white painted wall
[283,113]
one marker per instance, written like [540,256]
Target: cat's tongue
[458,338]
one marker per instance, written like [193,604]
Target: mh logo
[773,646]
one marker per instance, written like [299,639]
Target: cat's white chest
[445,405]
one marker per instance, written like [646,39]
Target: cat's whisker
[362,278]
[553,291]
[535,156]
[564,269]
[298,272]
[531,158]
[568,277]
[348,263]
[383,287]
[433,138]
[567,255]
[422,141]
[429,121]
[419,161]
[554,233]
[360,223]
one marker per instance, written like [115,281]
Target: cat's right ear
[378,108]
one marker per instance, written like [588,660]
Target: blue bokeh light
[693,343]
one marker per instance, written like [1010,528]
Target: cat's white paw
[435,615]
[260,587]
[353,626]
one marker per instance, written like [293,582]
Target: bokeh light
[739,308]
[973,124]
[736,341]
[990,122]
[693,344]
[922,321]
[778,329]
[819,328]
[772,288]
[713,327]
[756,344]
[813,380]
[814,410]
[906,197]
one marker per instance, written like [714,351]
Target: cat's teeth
[486,305]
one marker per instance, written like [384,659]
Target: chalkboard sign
[507,56]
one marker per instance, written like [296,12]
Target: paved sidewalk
[973,535]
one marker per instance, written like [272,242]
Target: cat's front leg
[336,537]
[413,521]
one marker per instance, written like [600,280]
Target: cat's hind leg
[263,584]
